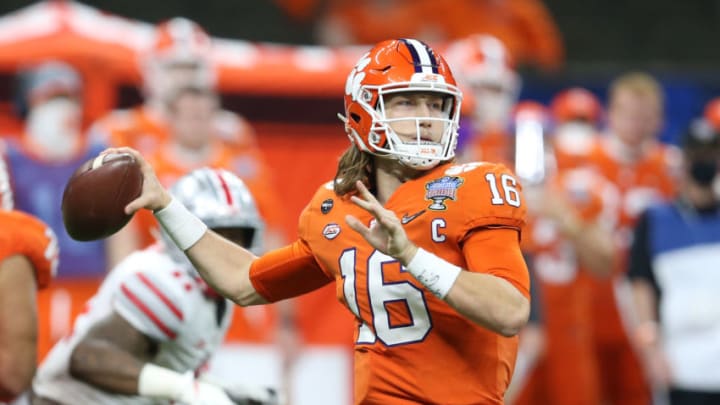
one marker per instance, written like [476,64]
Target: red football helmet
[180,55]
[397,66]
[576,103]
[577,114]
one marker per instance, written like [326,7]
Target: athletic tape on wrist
[160,382]
[184,228]
[435,273]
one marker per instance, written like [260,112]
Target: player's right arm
[232,271]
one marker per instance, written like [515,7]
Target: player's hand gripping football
[153,196]
[386,233]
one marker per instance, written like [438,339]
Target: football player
[154,323]
[644,171]
[181,57]
[577,114]
[28,261]
[424,252]
[486,72]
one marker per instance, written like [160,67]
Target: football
[96,194]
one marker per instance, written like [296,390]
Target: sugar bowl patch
[439,190]
[331,231]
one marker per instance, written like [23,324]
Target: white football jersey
[162,299]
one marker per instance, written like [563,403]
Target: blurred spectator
[525,26]
[46,154]
[643,170]
[485,71]
[577,114]
[673,267]
[28,261]
[181,57]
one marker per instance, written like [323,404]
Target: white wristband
[184,228]
[435,273]
[160,382]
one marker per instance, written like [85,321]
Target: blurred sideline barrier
[108,51]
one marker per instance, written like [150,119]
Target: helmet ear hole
[355,117]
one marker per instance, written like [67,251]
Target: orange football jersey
[410,346]
[26,235]
[567,371]
[647,180]
[639,184]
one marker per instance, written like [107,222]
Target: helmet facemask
[421,152]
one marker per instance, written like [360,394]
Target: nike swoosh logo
[407,218]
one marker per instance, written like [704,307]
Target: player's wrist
[406,256]
[160,382]
[165,200]
[163,383]
[184,228]
[435,273]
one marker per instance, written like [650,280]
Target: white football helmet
[223,202]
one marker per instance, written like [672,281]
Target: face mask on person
[54,128]
[703,172]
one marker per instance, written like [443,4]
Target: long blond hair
[354,165]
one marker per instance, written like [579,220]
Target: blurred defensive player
[152,326]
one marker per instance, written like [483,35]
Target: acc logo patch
[439,190]
[331,231]
[326,206]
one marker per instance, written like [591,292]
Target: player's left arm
[494,294]
[18,317]
[494,291]
[112,355]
